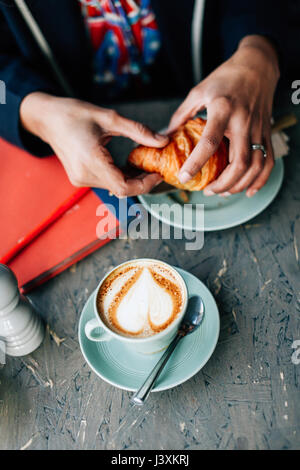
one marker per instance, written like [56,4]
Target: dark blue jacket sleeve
[243,18]
[20,79]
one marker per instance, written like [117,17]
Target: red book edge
[68,262]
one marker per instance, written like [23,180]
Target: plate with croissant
[219,212]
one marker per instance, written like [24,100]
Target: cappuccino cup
[140,303]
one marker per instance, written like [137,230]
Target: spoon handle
[141,395]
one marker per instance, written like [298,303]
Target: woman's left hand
[238,97]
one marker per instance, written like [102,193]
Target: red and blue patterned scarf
[125,39]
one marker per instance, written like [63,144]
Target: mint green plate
[219,212]
[121,367]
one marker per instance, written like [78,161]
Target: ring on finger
[260,147]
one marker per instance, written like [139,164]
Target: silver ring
[260,147]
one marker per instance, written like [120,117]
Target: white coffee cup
[97,330]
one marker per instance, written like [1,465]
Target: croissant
[167,161]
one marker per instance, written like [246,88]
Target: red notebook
[30,189]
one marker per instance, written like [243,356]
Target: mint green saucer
[123,368]
[219,212]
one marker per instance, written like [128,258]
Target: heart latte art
[140,298]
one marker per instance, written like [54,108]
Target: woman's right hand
[78,131]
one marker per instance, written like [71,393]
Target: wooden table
[247,395]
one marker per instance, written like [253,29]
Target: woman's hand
[78,132]
[238,97]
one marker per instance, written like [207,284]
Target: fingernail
[184,177]
[251,192]
[226,194]
[209,192]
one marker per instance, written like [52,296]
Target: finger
[135,186]
[103,171]
[261,180]
[137,132]
[239,163]
[188,108]
[141,185]
[257,162]
[117,182]
[217,119]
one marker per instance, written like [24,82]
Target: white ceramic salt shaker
[21,329]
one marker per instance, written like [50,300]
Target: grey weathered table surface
[247,395]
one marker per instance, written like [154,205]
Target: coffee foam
[140,298]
